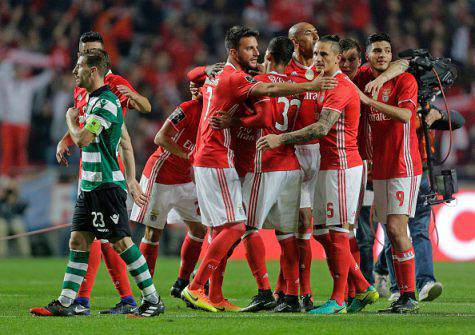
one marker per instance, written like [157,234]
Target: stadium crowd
[154,43]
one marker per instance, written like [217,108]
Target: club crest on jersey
[103,102]
[250,79]
[177,116]
[385,95]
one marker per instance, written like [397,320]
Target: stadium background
[154,43]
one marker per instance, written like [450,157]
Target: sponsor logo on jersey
[385,95]
[177,116]
[115,218]
[250,79]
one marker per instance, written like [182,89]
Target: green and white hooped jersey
[99,159]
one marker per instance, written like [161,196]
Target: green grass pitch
[26,283]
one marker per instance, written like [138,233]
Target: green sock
[138,268]
[75,272]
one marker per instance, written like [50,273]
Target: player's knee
[77,242]
[153,234]
[197,230]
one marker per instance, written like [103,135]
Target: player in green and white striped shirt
[100,210]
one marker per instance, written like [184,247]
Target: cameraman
[426,284]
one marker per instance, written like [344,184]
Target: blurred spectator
[19,87]
[11,223]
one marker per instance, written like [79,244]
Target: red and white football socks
[190,253]
[149,251]
[404,266]
[290,263]
[305,260]
[255,255]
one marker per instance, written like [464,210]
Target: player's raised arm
[320,83]
[136,101]
[395,68]
[164,138]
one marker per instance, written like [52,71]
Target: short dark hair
[378,37]
[348,44]
[91,36]
[281,48]
[98,58]
[334,40]
[234,35]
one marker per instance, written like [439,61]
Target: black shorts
[102,212]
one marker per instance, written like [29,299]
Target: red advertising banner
[452,235]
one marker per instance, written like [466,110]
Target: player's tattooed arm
[164,138]
[127,154]
[328,118]
[395,68]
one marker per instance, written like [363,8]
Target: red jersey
[307,111]
[214,148]
[339,148]
[163,166]
[81,98]
[394,143]
[277,116]
[362,77]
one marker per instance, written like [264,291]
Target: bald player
[304,36]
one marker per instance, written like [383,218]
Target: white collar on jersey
[109,72]
[294,56]
[230,64]
[337,72]
[277,73]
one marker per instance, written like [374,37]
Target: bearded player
[339,176]
[129,98]
[218,185]
[397,166]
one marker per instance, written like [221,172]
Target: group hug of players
[283,145]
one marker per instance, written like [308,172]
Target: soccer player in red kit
[217,183]
[129,98]
[339,175]
[397,166]
[271,188]
[304,36]
[167,182]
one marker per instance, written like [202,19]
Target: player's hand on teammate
[221,120]
[212,70]
[270,141]
[374,86]
[62,150]
[434,115]
[363,97]
[136,192]
[322,83]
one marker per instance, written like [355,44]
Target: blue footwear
[370,296]
[330,307]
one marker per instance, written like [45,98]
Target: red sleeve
[197,75]
[241,84]
[179,118]
[262,116]
[116,81]
[336,99]
[406,92]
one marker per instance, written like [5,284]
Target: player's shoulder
[191,105]
[113,79]
[406,78]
